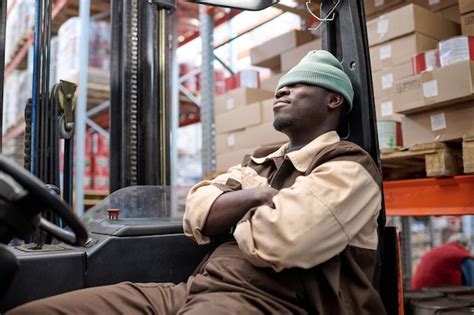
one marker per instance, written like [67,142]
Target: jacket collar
[302,158]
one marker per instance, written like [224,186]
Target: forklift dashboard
[135,210]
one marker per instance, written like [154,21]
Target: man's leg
[122,298]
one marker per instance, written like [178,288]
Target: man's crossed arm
[230,207]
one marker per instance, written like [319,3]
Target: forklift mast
[140,93]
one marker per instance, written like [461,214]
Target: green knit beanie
[320,68]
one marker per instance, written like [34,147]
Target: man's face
[300,106]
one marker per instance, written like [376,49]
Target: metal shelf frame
[430,196]
[23,51]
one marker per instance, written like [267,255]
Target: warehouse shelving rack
[94,93]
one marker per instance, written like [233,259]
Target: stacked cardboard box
[67,64]
[438,104]
[243,122]
[267,55]
[446,8]
[466,9]
[19,25]
[393,39]
[377,7]
[281,53]
[288,60]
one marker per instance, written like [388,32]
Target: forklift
[133,235]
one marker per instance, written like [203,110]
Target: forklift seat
[391,284]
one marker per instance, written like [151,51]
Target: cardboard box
[467,24]
[466,6]
[264,134]
[385,111]
[270,84]
[239,97]
[244,78]
[267,54]
[399,51]
[409,19]
[446,123]
[408,94]
[225,160]
[436,5]
[384,80]
[234,140]
[239,118]
[290,58]
[267,110]
[451,13]
[442,86]
[448,83]
[374,7]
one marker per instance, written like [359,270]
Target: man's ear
[335,100]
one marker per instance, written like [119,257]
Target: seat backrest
[391,283]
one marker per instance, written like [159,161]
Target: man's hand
[230,207]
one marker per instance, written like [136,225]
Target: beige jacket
[320,214]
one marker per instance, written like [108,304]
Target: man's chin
[281,124]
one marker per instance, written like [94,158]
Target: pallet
[93,197]
[437,159]
[468,154]
[97,94]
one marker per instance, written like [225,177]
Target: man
[441,266]
[297,224]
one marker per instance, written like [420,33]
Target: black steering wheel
[37,190]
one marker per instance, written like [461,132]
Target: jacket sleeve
[313,220]
[200,199]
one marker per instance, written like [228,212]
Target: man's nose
[284,90]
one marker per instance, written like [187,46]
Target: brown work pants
[226,284]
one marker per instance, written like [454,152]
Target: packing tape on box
[425,61]
[378,3]
[438,121]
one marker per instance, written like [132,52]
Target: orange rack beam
[430,196]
